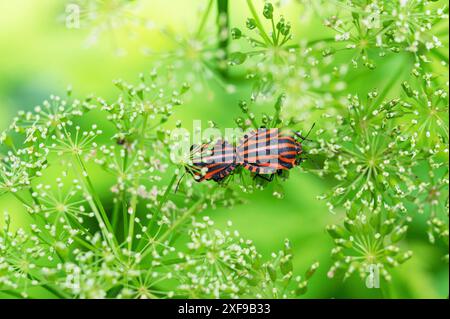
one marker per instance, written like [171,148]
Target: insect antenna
[179,181]
[306,137]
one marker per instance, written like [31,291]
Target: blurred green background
[39,56]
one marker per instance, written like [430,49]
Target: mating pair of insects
[264,152]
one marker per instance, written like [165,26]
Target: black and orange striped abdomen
[212,163]
[267,151]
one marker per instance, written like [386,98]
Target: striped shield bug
[262,152]
[212,163]
[269,151]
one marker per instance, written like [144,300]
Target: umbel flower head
[426,106]
[116,19]
[271,46]
[150,103]
[375,28]
[234,267]
[368,240]
[275,64]
[47,117]
[198,55]
[369,157]
[19,168]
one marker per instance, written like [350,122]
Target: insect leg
[269,179]
[179,181]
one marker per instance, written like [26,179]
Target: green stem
[258,22]
[204,19]
[439,55]
[50,288]
[181,220]
[115,216]
[161,203]
[123,204]
[124,214]
[312,42]
[84,243]
[22,200]
[12,293]
[166,194]
[175,225]
[223,21]
[92,191]
[133,207]
[144,127]
[134,199]
[223,26]
[385,290]
[35,200]
[97,207]
[56,292]
[274,34]
[36,221]
[387,88]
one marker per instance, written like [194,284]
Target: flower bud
[336,231]
[387,226]
[302,288]
[404,257]
[240,122]
[251,23]
[350,225]
[236,33]
[287,249]
[268,11]
[407,89]
[310,272]
[399,233]
[280,101]
[185,88]
[272,273]
[286,264]
[244,107]
[252,279]
[278,191]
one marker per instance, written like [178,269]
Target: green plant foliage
[379,147]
